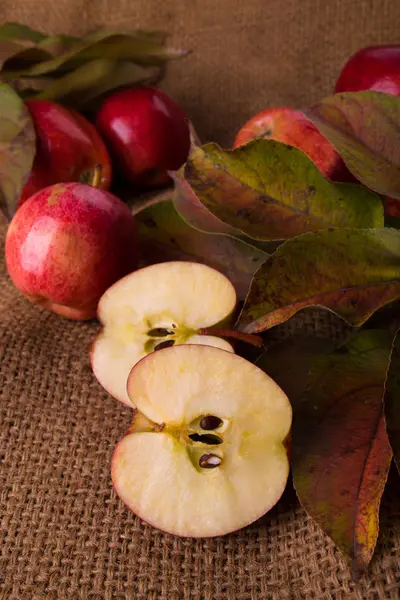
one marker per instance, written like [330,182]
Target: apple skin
[372,68]
[68,148]
[292,127]
[67,244]
[147,134]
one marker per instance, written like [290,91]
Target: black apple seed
[210,422]
[206,438]
[165,344]
[160,332]
[210,461]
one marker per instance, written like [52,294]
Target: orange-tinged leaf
[364,127]
[352,272]
[289,361]
[164,236]
[17,148]
[194,212]
[392,400]
[270,191]
[341,452]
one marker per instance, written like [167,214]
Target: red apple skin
[68,148]
[372,68]
[291,127]
[147,134]
[67,244]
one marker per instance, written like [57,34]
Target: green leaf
[17,148]
[364,127]
[18,56]
[341,453]
[93,79]
[18,40]
[56,45]
[351,272]
[19,32]
[288,362]
[105,46]
[164,236]
[194,212]
[392,400]
[7,49]
[271,191]
[80,71]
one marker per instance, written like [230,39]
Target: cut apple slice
[206,452]
[155,307]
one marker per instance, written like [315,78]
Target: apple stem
[249,338]
[96,176]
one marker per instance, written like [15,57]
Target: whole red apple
[292,127]
[147,134]
[68,148]
[372,68]
[67,244]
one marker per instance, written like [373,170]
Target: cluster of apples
[70,238]
[207,452]
[371,68]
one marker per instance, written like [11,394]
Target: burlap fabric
[64,532]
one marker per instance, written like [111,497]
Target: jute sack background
[64,532]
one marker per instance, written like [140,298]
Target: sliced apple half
[155,307]
[206,452]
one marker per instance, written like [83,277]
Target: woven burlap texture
[64,532]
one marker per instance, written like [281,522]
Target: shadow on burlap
[64,532]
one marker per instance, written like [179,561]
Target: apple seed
[206,438]
[210,461]
[210,422]
[160,332]
[165,344]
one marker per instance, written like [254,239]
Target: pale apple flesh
[172,473]
[161,305]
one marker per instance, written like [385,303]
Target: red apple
[147,134]
[68,148]
[291,127]
[67,245]
[372,68]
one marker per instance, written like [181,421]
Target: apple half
[206,452]
[155,307]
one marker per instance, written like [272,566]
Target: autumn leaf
[92,80]
[270,191]
[341,453]
[392,400]
[288,362]
[164,236]
[135,46]
[79,71]
[195,214]
[18,32]
[193,211]
[17,148]
[21,46]
[350,272]
[364,127]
